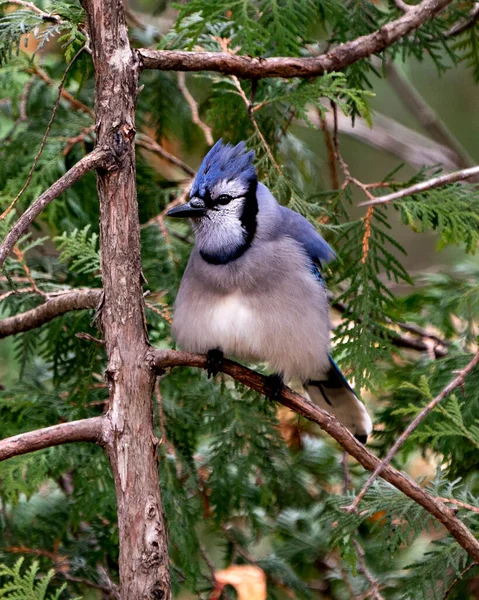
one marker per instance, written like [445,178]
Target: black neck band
[248,222]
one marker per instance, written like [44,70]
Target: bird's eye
[224,199]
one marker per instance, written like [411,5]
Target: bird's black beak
[193,209]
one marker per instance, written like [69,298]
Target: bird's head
[223,204]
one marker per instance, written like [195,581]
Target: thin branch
[465,24]
[424,186]
[335,60]
[97,158]
[74,102]
[109,591]
[461,504]
[457,579]
[350,179]
[30,6]
[328,139]
[45,136]
[194,109]
[427,117]
[450,387]
[86,430]
[148,143]
[53,307]
[164,359]
[362,568]
[5,295]
[253,120]
[160,221]
[389,135]
[402,341]
[78,139]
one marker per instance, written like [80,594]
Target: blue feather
[224,161]
[303,232]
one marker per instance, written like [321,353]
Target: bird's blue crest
[224,162]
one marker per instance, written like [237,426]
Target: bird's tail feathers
[334,394]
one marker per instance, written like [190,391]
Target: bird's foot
[361,437]
[214,362]
[274,386]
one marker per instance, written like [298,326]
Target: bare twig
[45,135]
[457,579]
[146,142]
[89,338]
[111,592]
[22,110]
[30,6]
[465,24]
[402,341]
[160,221]
[424,186]
[450,387]
[335,60]
[21,259]
[350,179]
[362,568]
[86,430]
[194,109]
[77,139]
[53,307]
[163,312]
[97,158]
[333,171]
[253,120]
[426,116]
[65,94]
[346,474]
[209,562]
[163,359]
[461,504]
[389,135]
[6,295]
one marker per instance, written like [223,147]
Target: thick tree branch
[53,307]
[335,60]
[86,430]
[131,447]
[424,186]
[163,359]
[94,160]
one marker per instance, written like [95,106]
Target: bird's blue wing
[303,232]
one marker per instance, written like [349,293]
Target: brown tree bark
[130,441]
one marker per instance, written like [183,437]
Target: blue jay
[253,289]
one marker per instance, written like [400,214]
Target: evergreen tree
[180,486]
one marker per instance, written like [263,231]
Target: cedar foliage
[231,486]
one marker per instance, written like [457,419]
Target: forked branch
[163,359]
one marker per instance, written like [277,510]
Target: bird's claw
[274,386]
[214,362]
